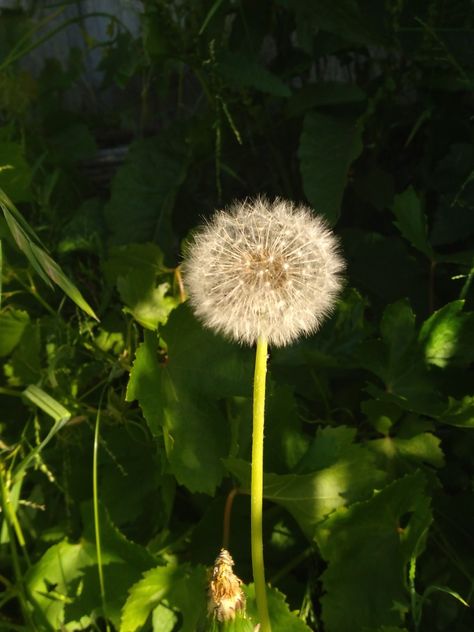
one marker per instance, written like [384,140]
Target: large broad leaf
[368,547]
[176,587]
[143,193]
[328,146]
[180,396]
[344,473]
[63,585]
[411,221]
[28,242]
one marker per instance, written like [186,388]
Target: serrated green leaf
[180,397]
[368,547]
[149,304]
[281,617]
[12,325]
[411,221]
[347,474]
[328,146]
[63,584]
[180,587]
[422,448]
[459,413]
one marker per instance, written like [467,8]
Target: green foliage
[111,152]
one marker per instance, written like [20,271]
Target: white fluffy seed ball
[263,269]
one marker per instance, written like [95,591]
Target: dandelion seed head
[262,268]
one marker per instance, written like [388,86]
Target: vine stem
[256,487]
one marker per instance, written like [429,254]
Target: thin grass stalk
[95,494]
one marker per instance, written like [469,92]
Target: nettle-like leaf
[179,588]
[343,472]
[64,584]
[397,360]
[181,397]
[328,146]
[368,547]
[143,282]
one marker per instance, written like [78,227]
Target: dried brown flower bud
[226,597]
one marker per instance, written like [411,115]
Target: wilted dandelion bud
[226,597]
[263,269]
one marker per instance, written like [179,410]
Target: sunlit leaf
[180,396]
[368,546]
[178,587]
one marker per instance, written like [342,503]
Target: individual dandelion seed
[263,269]
[225,594]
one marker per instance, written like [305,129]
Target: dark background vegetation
[121,130]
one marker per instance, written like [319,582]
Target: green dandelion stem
[256,489]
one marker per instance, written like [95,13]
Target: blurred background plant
[122,125]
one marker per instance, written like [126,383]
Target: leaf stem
[256,488]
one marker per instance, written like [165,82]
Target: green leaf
[180,397]
[15,173]
[447,336]
[146,258]
[12,325]
[328,146]
[48,404]
[24,366]
[419,449]
[240,69]
[144,191]
[281,617]
[179,587]
[459,413]
[148,303]
[368,547]
[411,221]
[63,584]
[347,474]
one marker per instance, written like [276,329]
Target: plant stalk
[256,487]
